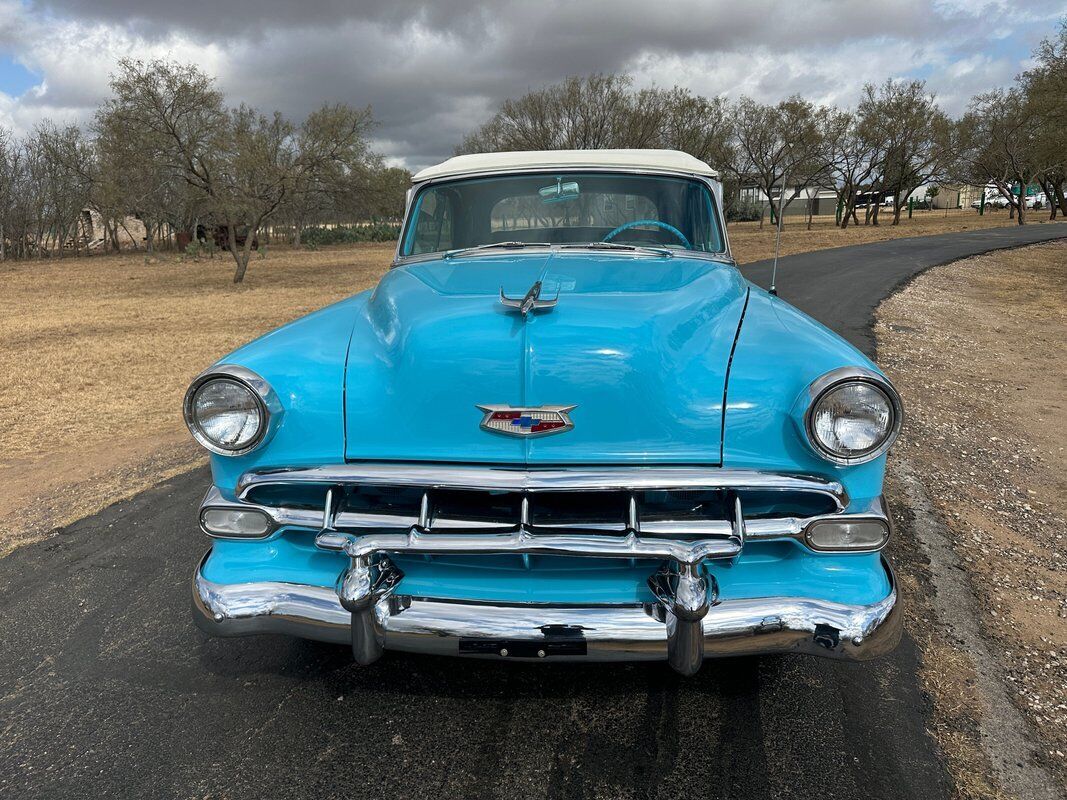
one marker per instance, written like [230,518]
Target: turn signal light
[864,534]
[235,523]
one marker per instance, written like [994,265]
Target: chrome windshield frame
[713,186]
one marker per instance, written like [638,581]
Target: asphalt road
[107,690]
[841,287]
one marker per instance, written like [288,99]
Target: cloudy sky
[433,70]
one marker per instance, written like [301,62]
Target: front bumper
[656,631]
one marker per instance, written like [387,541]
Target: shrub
[350,234]
[744,212]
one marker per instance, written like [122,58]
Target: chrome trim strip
[611,633]
[536,479]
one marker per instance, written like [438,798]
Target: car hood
[639,345]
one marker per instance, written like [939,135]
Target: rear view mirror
[559,191]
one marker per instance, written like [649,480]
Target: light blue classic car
[561,427]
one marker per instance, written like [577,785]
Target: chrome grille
[654,502]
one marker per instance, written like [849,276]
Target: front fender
[779,352]
[304,362]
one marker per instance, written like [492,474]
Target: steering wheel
[655,223]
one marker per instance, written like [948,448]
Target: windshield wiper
[492,246]
[662,251]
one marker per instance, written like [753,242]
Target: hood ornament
[531,302]
[526,421]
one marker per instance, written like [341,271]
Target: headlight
[853,417]
[228,410]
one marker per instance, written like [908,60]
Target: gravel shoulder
[977,350]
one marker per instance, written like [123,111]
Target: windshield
[564,208]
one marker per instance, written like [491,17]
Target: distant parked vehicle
[864,199]
[221,235]
[991,201]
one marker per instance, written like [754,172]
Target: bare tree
[917,137]
[8,168]
[998,141]
[578,114]
[246,165]
[778,145]
[1045,86]
[332,166]
[700,126]
[854,152]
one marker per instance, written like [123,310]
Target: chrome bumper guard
[685,624]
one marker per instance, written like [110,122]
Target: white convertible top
[672,160]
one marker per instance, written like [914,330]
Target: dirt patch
[977,350]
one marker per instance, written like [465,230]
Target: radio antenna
[777,237]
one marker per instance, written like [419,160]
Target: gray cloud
[434,70]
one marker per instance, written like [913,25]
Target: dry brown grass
[749,243]
[96,354]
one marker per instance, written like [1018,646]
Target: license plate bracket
[524,648]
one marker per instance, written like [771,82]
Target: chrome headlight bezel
[266,400]
[834,380]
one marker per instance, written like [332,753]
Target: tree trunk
[1060,199]
[241,257]
[874,214]
[1046,186]
[238,255]
[296,236]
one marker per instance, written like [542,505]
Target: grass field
[96,353]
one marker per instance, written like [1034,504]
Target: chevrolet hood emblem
[527,421]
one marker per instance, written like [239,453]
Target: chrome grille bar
[537,479]
[527,543]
